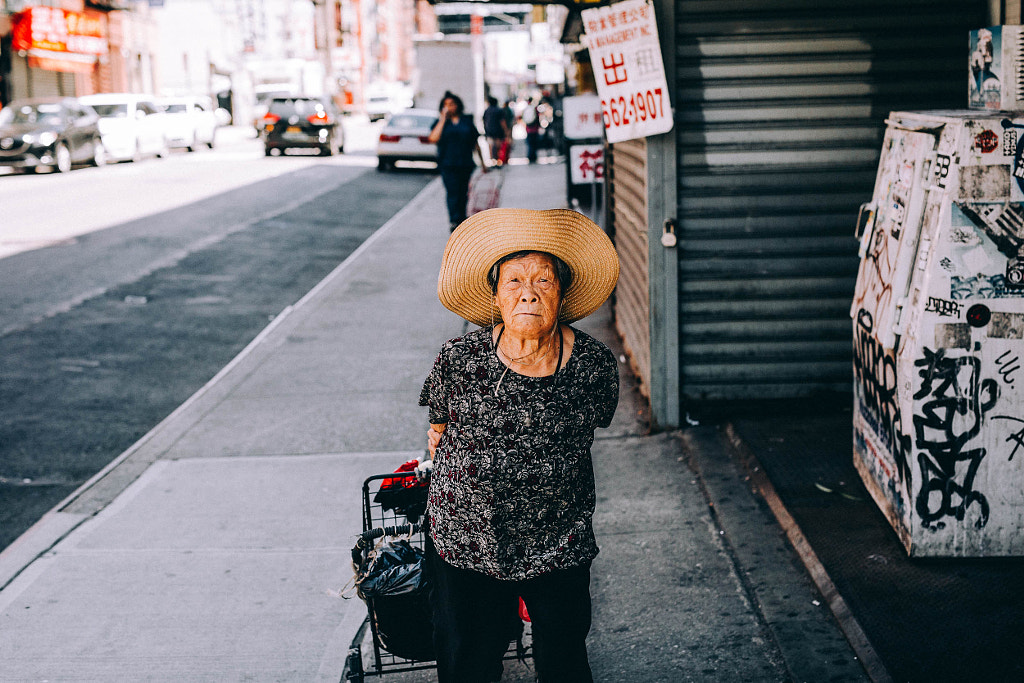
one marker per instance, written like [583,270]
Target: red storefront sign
[60,40]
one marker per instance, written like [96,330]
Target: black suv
[308,122]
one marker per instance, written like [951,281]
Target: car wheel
[327,150]
[213,137]
[63,158]
[271,151]
[384,165]
[99,154]
[164,151]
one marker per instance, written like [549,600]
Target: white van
[131,125]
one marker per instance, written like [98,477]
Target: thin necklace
[496,349]
[497,346]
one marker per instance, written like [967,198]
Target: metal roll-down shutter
[780,112]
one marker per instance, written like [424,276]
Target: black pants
[472,614]
[456,185]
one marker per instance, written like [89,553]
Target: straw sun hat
[484,238]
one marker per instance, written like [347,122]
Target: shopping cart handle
[367,538]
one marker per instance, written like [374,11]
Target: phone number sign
[626,56]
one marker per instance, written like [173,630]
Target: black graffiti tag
[1016,437]
[1008,364]
[957,402]
[875,374]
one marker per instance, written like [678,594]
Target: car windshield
[302,107]
[113,111]
[176,108]
[410,121]
[39,114]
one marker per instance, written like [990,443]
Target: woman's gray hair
[562,271]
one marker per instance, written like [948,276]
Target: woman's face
[528,295]
[449,107]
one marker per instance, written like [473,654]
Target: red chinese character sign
[626,56]
[60,40]
[586,164]
[581,117]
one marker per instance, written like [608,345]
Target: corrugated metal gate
[780,108]
[33,82]
[628,183]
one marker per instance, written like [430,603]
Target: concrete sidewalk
[208,550]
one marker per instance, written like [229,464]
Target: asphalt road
[103,334]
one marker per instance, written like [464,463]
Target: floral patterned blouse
[512,491]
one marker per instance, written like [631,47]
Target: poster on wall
[628,67]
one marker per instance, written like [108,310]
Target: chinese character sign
[58,30]
[626,56]
[586,164]
[582,117]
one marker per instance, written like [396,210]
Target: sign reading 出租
[626,56]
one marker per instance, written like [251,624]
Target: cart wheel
[353,665]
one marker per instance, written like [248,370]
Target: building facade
[75,47]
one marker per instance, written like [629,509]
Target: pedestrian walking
[495,129]
[513,407]
[531,120]
[456,137]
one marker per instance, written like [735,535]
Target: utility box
[938,329]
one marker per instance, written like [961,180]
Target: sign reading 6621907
[626,56]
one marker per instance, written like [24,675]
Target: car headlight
[47,139]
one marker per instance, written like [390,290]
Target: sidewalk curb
[59,522]
[848,623]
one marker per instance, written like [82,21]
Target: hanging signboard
[630,74]
[59,39]
[586,164]
[581,117]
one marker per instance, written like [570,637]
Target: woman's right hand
[434,437]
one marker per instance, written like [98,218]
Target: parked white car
[404,138]
[189,122]
[131,125]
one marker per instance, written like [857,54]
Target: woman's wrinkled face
[528,295]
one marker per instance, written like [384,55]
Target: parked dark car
[53,133]
[308,122]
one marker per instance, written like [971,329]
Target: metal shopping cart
[397,515]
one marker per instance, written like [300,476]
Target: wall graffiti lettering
[943,307]
[952,416]
[942,164]
[1008,364]
[1017,437]
[875,375]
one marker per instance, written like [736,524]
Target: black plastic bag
[394,585]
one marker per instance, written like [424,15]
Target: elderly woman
[513,408]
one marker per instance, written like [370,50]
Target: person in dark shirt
[456,136]
[495,128]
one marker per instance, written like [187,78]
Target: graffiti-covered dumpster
[938,327]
